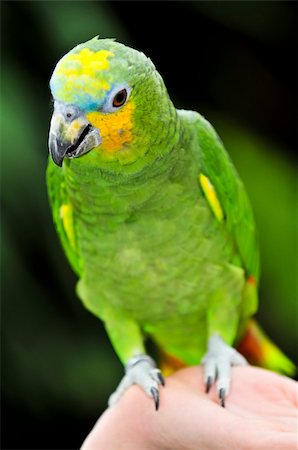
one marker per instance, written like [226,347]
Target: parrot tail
[259,350]
[255,346]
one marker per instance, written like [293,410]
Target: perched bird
[153,219]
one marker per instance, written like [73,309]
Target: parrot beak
[71,135]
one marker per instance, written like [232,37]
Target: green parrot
[153,219]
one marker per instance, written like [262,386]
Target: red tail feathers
[259,350]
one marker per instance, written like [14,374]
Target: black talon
[161,378]
[208,384]
[222,396]
[155,395]
[216,374]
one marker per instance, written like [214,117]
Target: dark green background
[232,61]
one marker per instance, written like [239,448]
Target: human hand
[260,413]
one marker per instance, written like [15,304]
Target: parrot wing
[62,212]
[227,197]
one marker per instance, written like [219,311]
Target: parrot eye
[120,98]
[116,98]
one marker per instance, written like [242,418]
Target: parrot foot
[140,370]
[217,366]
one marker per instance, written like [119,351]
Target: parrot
[154,221]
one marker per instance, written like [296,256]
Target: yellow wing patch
[211,197]
[66,214]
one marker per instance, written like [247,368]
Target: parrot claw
[217,366]
[155,395]
[161,378]
[140,370]
[222,396]
[208,384]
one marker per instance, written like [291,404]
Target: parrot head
[110,105]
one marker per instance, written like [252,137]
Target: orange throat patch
[115,128]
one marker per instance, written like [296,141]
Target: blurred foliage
[227,60]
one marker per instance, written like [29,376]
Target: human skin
[260,413]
